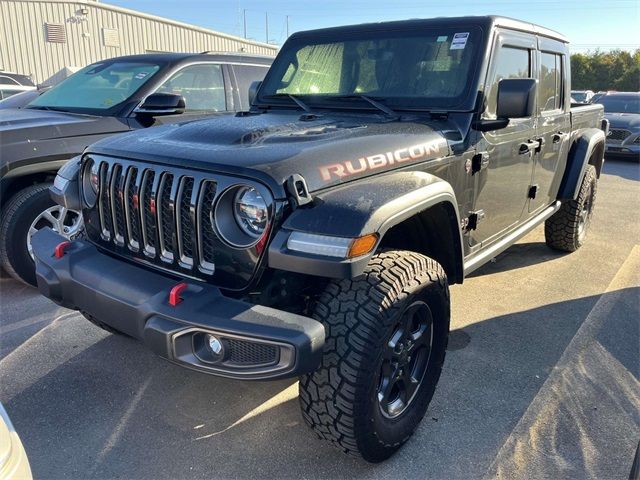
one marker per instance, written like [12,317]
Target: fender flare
[369,206]
[581,151]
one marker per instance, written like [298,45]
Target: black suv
[316,235]
[105,98]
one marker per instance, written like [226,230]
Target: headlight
[90,182]
[241,216]
[250,211]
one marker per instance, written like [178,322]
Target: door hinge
[471,222]
[533,190]
[479,162]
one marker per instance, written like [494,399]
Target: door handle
[527,147]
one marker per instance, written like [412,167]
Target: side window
[510,62]
[549,92]
[245,76]
[202,87]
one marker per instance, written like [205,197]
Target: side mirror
[158,104]
[253,91]
[516,99]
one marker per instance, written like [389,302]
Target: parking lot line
[588,406]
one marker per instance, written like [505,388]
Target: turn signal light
[362,245]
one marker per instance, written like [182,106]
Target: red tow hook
[58,252]
[174,294]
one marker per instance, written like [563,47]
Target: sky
[589,24]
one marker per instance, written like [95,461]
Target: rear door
[554,123]
[502,187]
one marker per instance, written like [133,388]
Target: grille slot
[206,235]
[185,220]
[161,215]
[166,217]
[618,134]
[148,213]
[131,206]
[117,207]
[241,352]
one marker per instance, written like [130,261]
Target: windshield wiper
[380,106]
[295,99]
[50,109]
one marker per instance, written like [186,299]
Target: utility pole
[266,24]
[244,21]
[287,21]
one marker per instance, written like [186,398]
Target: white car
[12,83]
[582,96]
[14,464]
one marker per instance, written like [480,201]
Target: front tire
[566,230]
[26,212]
[386,337]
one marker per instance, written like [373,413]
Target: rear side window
[550,86]
[245,76]
[510,62]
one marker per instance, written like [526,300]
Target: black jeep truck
[105,98]
[317,234]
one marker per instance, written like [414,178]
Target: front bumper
[258,342]
[625,149]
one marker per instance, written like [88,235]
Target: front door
[203,87]
[554,124]
[502,187]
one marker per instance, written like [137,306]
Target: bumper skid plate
[249,341]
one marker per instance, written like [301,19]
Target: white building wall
[25,49]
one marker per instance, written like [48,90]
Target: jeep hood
[326,150]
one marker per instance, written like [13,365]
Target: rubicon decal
[380,160]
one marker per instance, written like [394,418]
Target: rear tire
[566,230]
[384,329]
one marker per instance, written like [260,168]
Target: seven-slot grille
[159,214]
[618,134]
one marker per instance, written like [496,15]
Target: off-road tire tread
[349,310]
[561,229]
[8,217]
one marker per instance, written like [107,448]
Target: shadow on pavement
[114,410]
[628,168]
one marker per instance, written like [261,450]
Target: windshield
[620,104]
[100,86]
[429,67]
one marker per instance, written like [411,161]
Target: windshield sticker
[442,38]
[380,160]
[141,75]
[459,41]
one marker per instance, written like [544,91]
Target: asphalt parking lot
[541,380]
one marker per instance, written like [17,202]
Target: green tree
[613,70]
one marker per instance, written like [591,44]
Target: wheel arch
[415,205]
[586,149]
[14,184]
